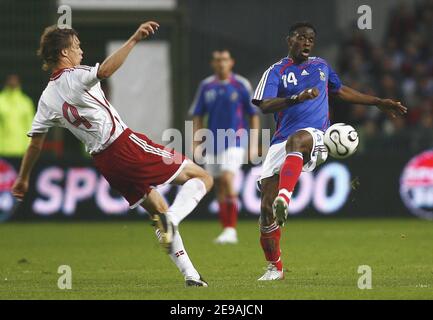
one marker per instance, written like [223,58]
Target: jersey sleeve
[334,82]
[198,106]
[85,76]
[42,121]
[268,85]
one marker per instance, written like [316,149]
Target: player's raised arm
[391,107]
[21,185]
[277,104]
[116,59]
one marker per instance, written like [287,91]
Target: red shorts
[133,165]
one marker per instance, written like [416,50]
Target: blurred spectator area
[21,23]
[400,66]
[394,60]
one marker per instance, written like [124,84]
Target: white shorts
[229,160]
[277,154]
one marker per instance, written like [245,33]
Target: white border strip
[116,4]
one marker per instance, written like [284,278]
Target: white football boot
[280,209]
[194,282]
[272,273]
[229,235]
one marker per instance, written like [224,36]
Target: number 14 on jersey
[289,78]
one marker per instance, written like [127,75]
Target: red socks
[289,174]
[223,213]
[270,241]
[232,209]
[228,212]
[270,235]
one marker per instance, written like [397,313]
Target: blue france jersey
[284,79]
[227,104]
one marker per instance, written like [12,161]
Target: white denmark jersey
[73,99]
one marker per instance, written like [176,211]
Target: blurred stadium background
[393,59]
[391,175]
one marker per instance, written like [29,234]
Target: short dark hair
[301,24]
[54,40]
[221,50]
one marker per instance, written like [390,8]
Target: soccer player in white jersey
[130,161]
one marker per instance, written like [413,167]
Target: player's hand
[392,108]
[19,189]
[145,30]
[308,94]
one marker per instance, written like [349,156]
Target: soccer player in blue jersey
[296,90]
[225,98]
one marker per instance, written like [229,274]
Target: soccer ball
[341,140]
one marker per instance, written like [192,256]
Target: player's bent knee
[191,171]
[294,144]
[299,142]
[200,173]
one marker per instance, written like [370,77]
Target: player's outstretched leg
[156,206]
[298,145]
[270,232]
[195,182]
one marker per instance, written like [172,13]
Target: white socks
[181,259]
[186,200]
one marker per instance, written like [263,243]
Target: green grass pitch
[122,260]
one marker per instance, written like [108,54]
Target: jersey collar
[55,75]
[293,62]
[228,80]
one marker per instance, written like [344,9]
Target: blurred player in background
[296,90]
[130,161]
[225,98]
[16,114]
